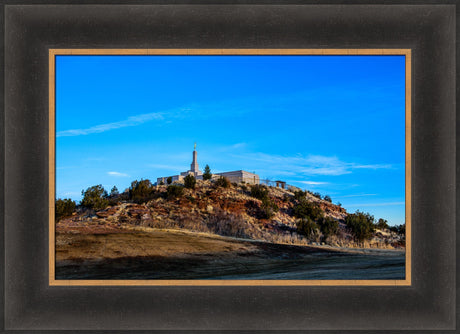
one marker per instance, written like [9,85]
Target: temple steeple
[234,176]
[194,166]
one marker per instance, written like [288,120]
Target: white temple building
[234,176]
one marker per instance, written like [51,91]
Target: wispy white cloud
[377,166]
[130,121]
[194,112]
[238,145]
[312,165]
[225,108]
[322,165]
[118,174]
[313,183]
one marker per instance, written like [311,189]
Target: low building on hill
[234,176]
[239,176]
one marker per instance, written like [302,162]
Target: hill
[262,213]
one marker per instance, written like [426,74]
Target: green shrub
[306,209]
[400,229]
[190,182]
[382,224]
[141,191]
[114,192]
[361,225]
[328,226]
[94,197]
[169,180]
[64,208]
[307,227]
[174,191]
[269,208]
[317,195]
[328,198]
[222,182]
[300,195]
[207,173]
[259,191]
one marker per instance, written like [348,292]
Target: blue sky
[329,124]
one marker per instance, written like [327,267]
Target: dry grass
[152,243]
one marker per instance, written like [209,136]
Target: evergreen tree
[114,192]
[94,197]
[189,182]
[382,224]
[361,225]
[207,173]
[64,207]
[174,191]
[141,191]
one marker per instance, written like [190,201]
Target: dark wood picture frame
[31,30]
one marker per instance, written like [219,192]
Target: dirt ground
[185,255]
[143,244]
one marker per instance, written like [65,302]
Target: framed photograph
[229,167]
[203,227]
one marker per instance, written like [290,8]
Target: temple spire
[194,166]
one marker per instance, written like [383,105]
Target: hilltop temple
[234,176]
